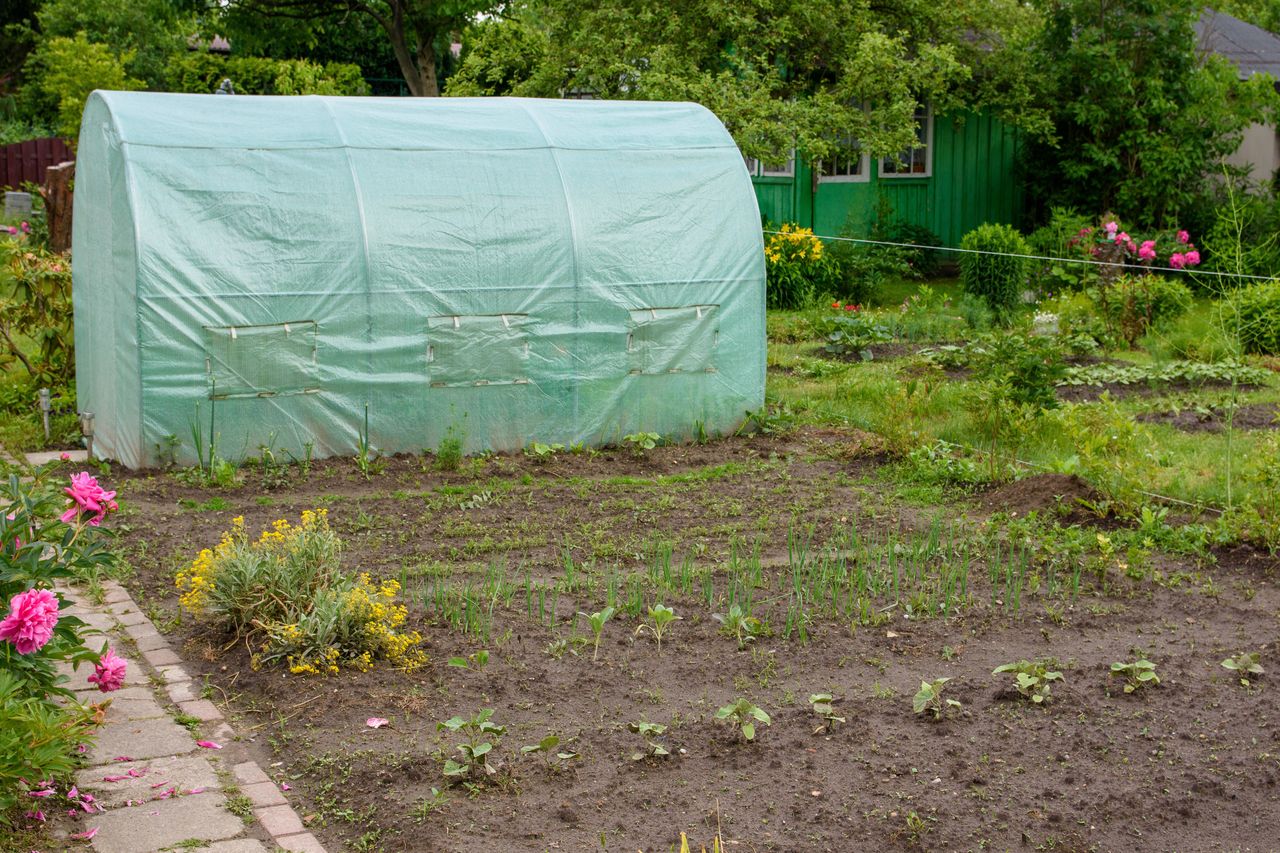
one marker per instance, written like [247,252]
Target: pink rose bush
[88,497]
[32,617]
[108,672]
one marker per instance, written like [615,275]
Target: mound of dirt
[1057,495]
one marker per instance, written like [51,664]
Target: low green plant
[852,333]
[651,732]
[597,622]
[367,458]
[1244,665]
[660,616]
[740,625]
[743,716]
[1132,304]
[929,698]
[449,452]
[482,737]
[546,747]
[1032,679]
[474,661]
[1252,314]
[427,805]
[1137,674]
[642,441]
[823,705]
[538,450]
[993,274]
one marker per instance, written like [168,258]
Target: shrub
[1134,303]
[286,594]
[1194,336]
[1060,238]
[254,75]
[35,304]
[995,277]
[924,262]
[798,268]
[64,71]
[1253,313]
[1027,368]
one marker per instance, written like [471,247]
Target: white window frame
[757,168]
[927,126]
[863,174]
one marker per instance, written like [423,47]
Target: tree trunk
[418,67]
[56,193]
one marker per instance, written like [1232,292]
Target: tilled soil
[1250,416]
[1189,765]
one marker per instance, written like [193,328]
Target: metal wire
[1035,257]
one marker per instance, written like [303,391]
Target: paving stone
[202,709]
[237,845]
[124,710]
[172,673]
[185,772]
[151,827]
[302,843]
[279,820]
[182,691]
[264,794]
[143,629]
[249,773]
[44,457]
[141,740]
[148,644]
[133,617]
[116,595]
[161,657]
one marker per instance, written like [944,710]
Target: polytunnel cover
[277,271]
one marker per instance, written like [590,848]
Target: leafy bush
[797,267]
[1253,313]
[1194,336]
[39,739]
[1059,239]
[1132,304]
[852,333]
[996,278]
[62,72]
[924,262]
[286,593]
[254,75]
[35,304]
[1027,367]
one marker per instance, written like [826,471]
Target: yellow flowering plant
[286,594]
[797,267]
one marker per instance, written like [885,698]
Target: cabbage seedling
[482,736]
[929,698]
[823,706]
[650,732]
[1139,673]
[740,625]
[597,620]
[1244,664]
[1033,678]
[547,748]
[743,715]
[662,616]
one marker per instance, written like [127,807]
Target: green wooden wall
[972,182]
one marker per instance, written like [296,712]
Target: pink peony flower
[32,615]
[1111,228]
[1192,258]
[88,497]
[1178,260]
[26,227]
[1147,251]
[1183,236]
[1131,247]
[12,230]
[1122,237]
[65,456]
[108,672]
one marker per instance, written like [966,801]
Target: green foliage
[482,736]
[1111,451]
[1253,313]
[998,280]
[823,705]
[1132,304]
[851,333]
[1245,235]
[1032,679]
[1140,117]
[743,715]
[651,732]
[597,622]
[62,72]
[1195,336]
[740,625]
[1059,238]
[929,698]
[20,130]
[502,57]
[38,739]
[449,453]
[660,616]
[1026,368]
[203,72]
[1137,674]
[142,33]
[475,661]
[923,262]
[1244,665]
[941,463]
[35,306]
[547,749]
[798,268]
[642,441]
[1189,372]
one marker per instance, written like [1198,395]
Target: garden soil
[1190,765]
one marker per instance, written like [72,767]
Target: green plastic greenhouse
[276,271]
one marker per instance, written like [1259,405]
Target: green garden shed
[496,270]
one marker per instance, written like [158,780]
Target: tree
[1140,120]
[62,72]
[148,31]
[417,29]
[817,75]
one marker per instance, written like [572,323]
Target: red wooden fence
[27,161]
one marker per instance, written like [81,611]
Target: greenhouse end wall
[278,272]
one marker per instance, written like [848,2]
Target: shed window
[848,164]
[785,168]
[673,340]
[477,349]
[917,161]
[261,361]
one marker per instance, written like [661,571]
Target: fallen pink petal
[115,778]
[74,793]
[122,758]
[284,786]
[161,782]
[139,772]
[208,744]
[36,815]
[47,792]
[196,791]
[376,722]
[166,793]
